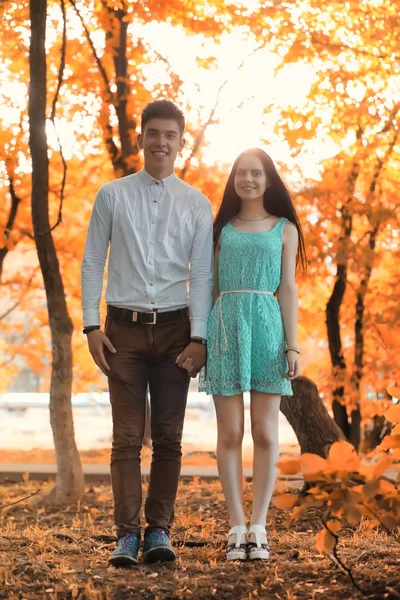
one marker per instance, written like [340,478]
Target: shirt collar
[150,181]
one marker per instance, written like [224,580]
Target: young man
[159,230]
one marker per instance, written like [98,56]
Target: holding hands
[192,359]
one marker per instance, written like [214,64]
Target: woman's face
[250,178]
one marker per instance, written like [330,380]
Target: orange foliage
[91,96]
[325,541]
[350,103]
[348,487]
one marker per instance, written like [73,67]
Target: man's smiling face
[161,141]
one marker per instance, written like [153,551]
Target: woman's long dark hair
[277,201]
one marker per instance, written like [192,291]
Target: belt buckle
[154,321]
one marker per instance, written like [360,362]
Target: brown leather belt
[146,318]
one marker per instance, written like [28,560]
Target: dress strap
[281,223]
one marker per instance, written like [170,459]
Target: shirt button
[151,284]
[155,201]
[154,221]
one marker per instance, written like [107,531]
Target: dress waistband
[220,317]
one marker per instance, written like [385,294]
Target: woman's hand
[294,365]
[192,359]
[188,365]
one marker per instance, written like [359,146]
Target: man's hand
[97,340]
[193,358]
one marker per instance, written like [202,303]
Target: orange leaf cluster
[349,487]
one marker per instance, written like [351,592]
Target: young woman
[252,335]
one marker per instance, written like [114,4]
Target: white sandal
[258,550]
[238,550]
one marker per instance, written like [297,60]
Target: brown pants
[145,356]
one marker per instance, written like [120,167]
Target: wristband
[87,330]
[293,349]
[198,341]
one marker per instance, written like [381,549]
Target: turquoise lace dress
[246,341]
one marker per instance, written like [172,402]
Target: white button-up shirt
[161,250]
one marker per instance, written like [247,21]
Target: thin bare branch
[7,362]
[342,47]
[211,120]
[393,115]
[15,201]
[12,358]
[52,119]
[112,148]
[337,558]
[62,63]
[21,500]
[96,56]
[53,112]
[18,302]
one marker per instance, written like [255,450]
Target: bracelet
[294,350]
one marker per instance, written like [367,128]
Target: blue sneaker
[125,554]
[156,547]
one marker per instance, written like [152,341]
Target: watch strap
[198,341]
[87,330]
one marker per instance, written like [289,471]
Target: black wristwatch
[198,341]
[87,330]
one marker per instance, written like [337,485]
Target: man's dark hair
[163,109]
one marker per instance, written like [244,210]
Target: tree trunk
[354,435]
[70,481]
[355,428]
[333,326]
[374,432]
[316,431]
[335,301]
[125,158]
[335,348]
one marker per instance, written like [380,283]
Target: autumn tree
[118,69]
[352,103]
[105,74]
[70,482]
[104,88]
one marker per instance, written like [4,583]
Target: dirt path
[63,554]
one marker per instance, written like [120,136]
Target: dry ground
[192,455]
[56,554]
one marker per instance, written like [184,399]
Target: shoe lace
[128,541]
[157,535]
